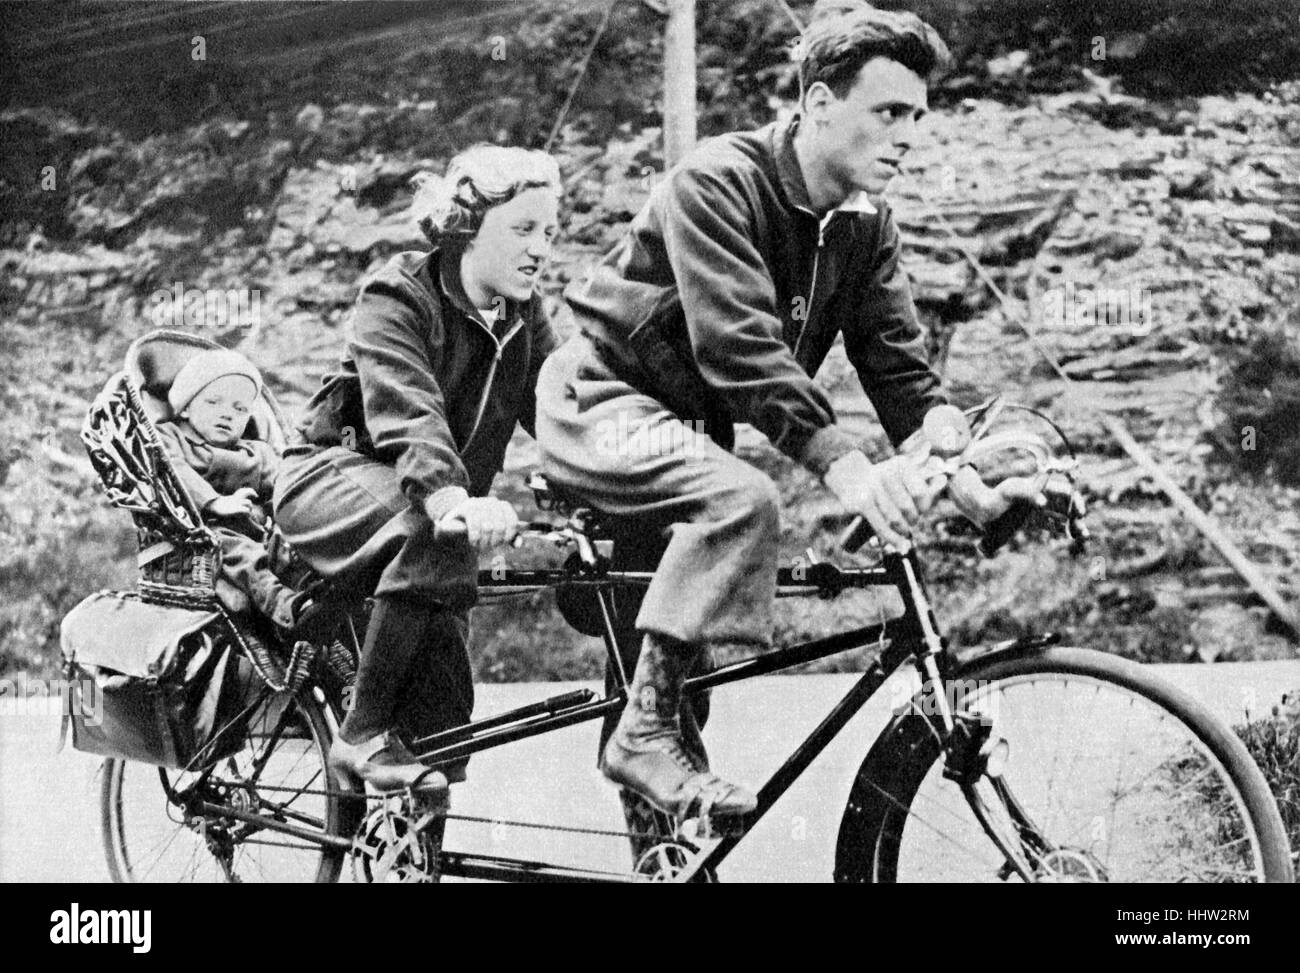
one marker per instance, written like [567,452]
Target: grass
[1274,743]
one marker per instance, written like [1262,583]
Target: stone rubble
[1188,223]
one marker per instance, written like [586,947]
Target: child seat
[179,557]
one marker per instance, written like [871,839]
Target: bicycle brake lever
[1007,440]
[988,417]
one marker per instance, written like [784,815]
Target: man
[746,261]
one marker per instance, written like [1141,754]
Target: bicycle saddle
[638,542]
[552,496]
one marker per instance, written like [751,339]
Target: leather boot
[385,764]
[647,754]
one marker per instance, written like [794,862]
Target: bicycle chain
[536,825]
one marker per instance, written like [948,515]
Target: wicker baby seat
[179,557]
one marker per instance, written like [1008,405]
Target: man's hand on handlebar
[485,522]
[892,495]
[984,504]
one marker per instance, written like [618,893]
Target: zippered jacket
[728,292]
[426,386]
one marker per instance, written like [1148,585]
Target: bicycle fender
[908,747]
[904,752]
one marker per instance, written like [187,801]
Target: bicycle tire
[130,802]
[874,828]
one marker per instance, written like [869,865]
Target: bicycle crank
[400,841]
[697,838]
[665,861]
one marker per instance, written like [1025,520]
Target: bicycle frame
[911,636]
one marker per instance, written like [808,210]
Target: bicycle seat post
[586,550]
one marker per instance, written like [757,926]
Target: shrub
[1260,399]
[1274,743]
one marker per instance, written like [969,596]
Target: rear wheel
[1107,775]
[163,825]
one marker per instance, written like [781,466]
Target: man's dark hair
[846,34]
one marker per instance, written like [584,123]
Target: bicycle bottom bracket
[400,841]
[665,861]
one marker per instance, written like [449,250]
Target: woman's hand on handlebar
[486,522]
[892,495]
[984,504]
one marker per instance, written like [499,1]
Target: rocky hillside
[1179,219]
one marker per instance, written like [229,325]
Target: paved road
[49,813]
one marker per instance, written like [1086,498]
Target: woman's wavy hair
[449,208]
[843,35]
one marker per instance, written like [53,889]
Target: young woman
[408,432]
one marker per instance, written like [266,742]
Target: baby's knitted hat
[204,369]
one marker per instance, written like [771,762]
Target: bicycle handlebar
[1065,504]
[540,530]
[945,444]
[448,528]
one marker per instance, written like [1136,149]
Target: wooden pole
[1247,569]
[679,80]
[1250,573]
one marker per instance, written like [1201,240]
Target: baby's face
[219,413]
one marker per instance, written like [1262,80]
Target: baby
[229,477]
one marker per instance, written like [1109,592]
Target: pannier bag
[168,681]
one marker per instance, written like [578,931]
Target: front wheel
[1107,775]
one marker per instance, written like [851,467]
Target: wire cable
[582,73]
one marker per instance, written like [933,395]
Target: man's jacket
[426,385]
[728,293]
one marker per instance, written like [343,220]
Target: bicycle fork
[918,631]
[916,603]
[973,750]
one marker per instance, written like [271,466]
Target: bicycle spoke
[253,860]
[158,858]
[1119,790]
[1220,847]
[911,814]
[1056,757]
[193,867]
[288,750]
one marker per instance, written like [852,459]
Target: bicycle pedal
[711,828]
[689,869]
